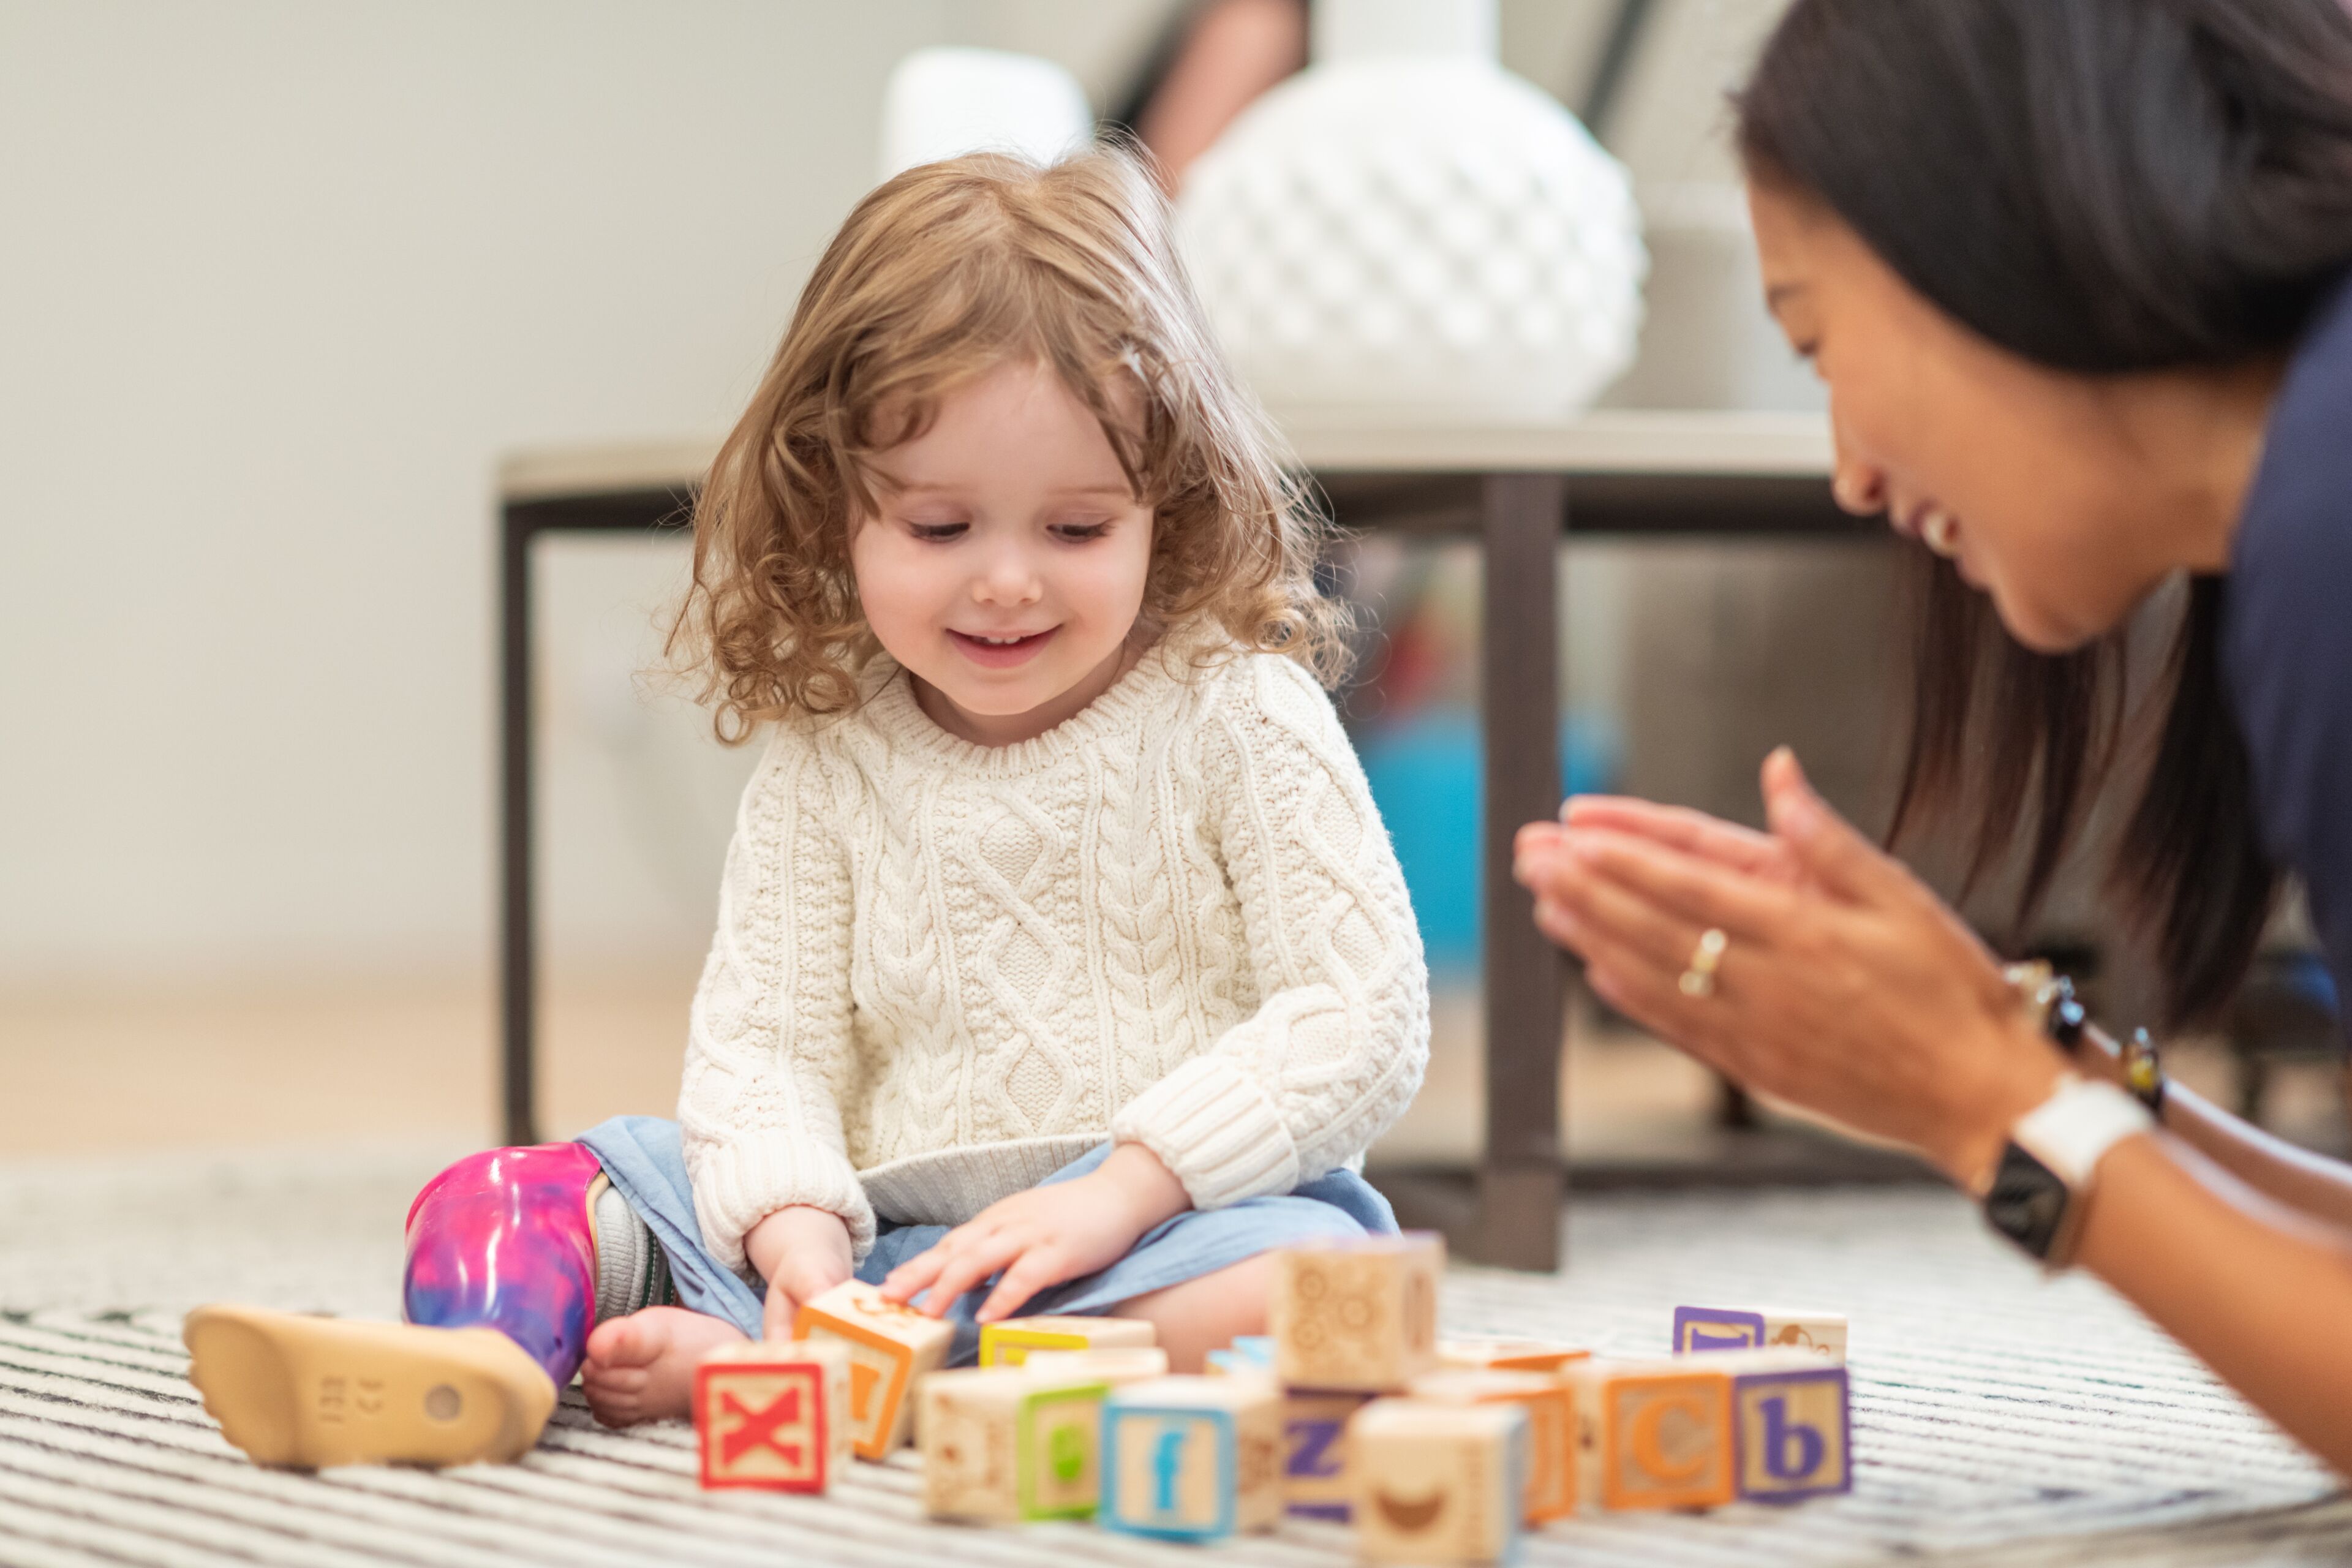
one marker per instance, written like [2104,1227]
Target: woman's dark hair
[2101,187]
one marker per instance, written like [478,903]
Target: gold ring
[1698,980]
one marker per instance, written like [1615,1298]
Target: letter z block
[1731,1328]
[1359,1316]
[1550,1407]
[1192,1458]
[890,1348]
[1001,1444]
[1009,1342]
[1793,1434]
[1659,1433]
[772,1414]
[1315,1483]
[1437,1483]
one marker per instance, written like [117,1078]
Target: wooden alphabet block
[1654,1434]
[1793,1436]
[1131,1364]
[1192,1458]
[1740,1329]
[1009,1342]
[1360,1315]
[1550,1407]
[1437,1483]
[1249,1354]
[1315,1482]
[1507,1355]
[1001,1444]
[890,1348]
[772,1414]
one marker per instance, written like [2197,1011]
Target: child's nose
[1008,578]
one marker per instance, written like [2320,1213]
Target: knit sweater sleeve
[1338,1046]
[767,1049]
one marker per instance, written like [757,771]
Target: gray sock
[631,1272]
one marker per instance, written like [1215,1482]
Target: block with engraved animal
[772,1414]
[1009,1343]
[1192,1458]
[1003,1444]
[1357,1315]
[1437,1482]
[1698,1329]
[890,1346]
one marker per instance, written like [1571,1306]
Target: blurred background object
[284,283]
[945,102]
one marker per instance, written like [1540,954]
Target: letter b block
[1793,1436]
[890,1346]
[1437,1483]
[1192,1458]
[772,1415]
[1358,1315]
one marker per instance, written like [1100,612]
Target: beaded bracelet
[2050,997]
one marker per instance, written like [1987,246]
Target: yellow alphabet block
[1132,1365]
[1358,1315]
[890,1347]
[1437,1483]
[1009,1342]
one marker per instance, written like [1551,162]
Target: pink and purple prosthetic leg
[504,1239]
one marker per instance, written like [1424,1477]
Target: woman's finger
[1603,911]
[1824,842]
[1677,827]
[1701,893]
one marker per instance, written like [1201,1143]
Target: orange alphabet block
[772,1415]
[890,1348]
[1550,1406]
[1358,1315]
[1655,1433]
[1437,1483]
[1507,1355]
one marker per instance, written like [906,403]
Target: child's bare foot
[641,1367]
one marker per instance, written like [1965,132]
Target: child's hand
[802,1252]
[1044,1236]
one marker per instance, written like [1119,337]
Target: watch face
[2027,1202]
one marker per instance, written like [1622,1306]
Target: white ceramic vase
[1407,230]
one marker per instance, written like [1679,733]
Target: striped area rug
[1998,1419]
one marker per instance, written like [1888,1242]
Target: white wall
[281,281]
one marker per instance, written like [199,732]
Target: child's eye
[938,532]
[1080,532]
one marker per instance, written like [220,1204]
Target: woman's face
[2038,486]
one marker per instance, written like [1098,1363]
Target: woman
[2075,274]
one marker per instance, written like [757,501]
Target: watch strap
[2073,1130]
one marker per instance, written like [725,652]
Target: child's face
[1005,563]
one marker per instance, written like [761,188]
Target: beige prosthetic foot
[295,1390]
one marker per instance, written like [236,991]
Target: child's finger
[1033,1271]
[970,1266]
[904,1282]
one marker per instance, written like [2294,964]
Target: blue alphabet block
[1717,1329]
[1791,1433]
[1192,1458]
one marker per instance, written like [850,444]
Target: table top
[1612,442]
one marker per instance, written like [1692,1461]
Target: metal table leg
[516,932]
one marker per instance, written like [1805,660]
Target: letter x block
[890,1347]
[770,1415]
[1358,1315]
[1192,1458]
[1741,1329]
[1001,1444]
[1655,1433]
[1009,1342]
[1315,1483]
[1550,1407]
[1437,1483]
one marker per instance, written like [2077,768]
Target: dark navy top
[2286,630]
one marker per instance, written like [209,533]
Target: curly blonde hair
[939,276]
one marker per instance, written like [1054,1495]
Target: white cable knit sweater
[943,971]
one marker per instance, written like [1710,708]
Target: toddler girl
[1063,963]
